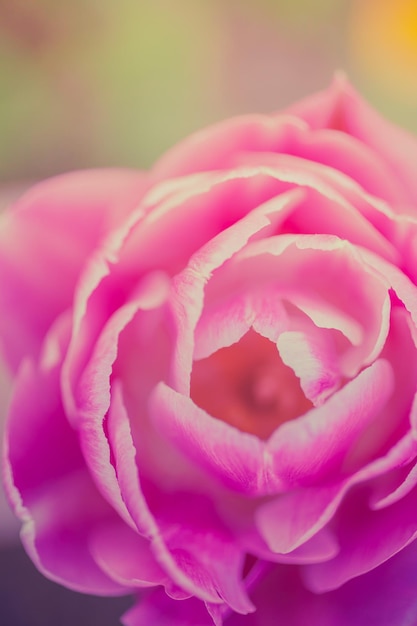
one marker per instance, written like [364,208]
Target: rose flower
[215,373]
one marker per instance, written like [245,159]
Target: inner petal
[248,386]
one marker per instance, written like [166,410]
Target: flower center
[248,386]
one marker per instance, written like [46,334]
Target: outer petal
[340,107]
[44,242]
[335,127]
[212,148]
[160,610]
[367,539]
[47,481]
[384,597]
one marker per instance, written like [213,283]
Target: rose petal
[182,545]
[188,287]
[39,267]
[235,457]
[224,323]
[313,360]
[157,608]
[306,450]
[298,267]
[143,244]
[342,108]
[125,556]
[384,596]
[213,147]
[365,217]
[48,483]
[303,512]
[384,533]
[92,407]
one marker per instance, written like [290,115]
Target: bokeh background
[92,83]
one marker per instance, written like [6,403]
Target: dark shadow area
[29,599]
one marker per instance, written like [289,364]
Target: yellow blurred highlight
[383,43]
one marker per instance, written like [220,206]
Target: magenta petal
[39,266]
[384,597]
[384,533]
[157,609]
[204,548]
[56,533]
[126,556]
[48,483]
[289,521]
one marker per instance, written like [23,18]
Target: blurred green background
[96,82]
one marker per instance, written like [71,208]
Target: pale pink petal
[299,267]
[245,463]
[351,156]
[366,217]
[237,458]
[398,281]
[303,512]
[209,204]
[397,416]
[316,129]
[224,323]
[315,445]
[349,217]
[313,359]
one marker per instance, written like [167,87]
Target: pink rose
[215,371]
